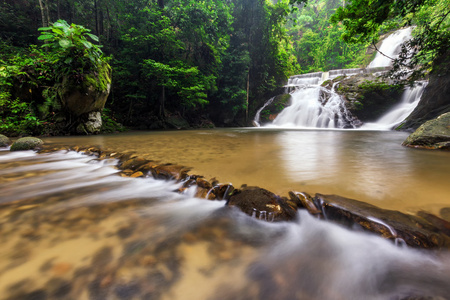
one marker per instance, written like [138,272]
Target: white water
[310,107]
[390,47]
[393,118]
[308,259]
[258,113]
[314,106]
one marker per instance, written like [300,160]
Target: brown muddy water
[369,166]
[70,228]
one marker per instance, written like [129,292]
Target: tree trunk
[44,19]
[162,112]
[161,3]
[48,13]
[96,17]
[248,92]
[58,9]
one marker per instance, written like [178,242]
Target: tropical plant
[72,52]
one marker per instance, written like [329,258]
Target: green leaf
[68,60]
[65,43]
[92,36]
[45,37]
[44,28]
[86,44]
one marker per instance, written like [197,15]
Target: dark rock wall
[436,97]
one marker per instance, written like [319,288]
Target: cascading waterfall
[317,107]
[410,99]
[390,48]
[314,106]
[258,113]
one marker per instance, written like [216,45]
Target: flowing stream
[72,229]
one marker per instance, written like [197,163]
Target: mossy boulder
[4,141]
[433,134]
[368,97]
[88,94]
[26,143]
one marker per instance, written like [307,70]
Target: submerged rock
[390,224]
[26,143]
[4,141]
[433,134]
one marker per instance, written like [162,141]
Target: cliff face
[435,100]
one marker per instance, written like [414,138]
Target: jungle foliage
[208,59]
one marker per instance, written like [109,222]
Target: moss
[4,141]
[99,79]
[26,143]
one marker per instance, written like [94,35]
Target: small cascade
[393,118]
[390,47]
[315,107]
[258,113]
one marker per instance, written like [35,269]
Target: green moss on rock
[26,143]
[433,134]
[4,141]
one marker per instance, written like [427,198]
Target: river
[72,229]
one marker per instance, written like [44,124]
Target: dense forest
[181,63]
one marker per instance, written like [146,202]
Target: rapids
[72,229]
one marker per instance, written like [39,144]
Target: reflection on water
[369,166]
[71,229]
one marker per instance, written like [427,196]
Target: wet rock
[223,191]
[133,163]
[445,213]
[303,200]
[262,204]
[439,223]
[433,134]
[367,96]
[4,141]
[170,171]
[26,143]
[137,174]
[203,183]
[414,231]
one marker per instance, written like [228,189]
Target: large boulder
[4,141]
[433,134]
[26,143]
[415,231]
[435,100]
[83,99]
[263,204]
[88,94]
[367,96]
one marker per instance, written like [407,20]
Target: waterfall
[390,47]
[258,113]
[410,98]
[314,106]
